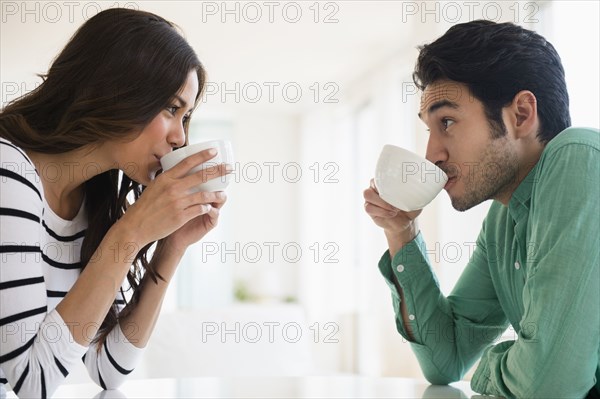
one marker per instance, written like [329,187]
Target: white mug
[407,180]
[224,155]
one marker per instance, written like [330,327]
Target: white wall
[335,146]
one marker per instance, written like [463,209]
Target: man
[494,99]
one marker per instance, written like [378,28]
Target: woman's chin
[152,175]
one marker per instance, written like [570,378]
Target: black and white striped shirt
[40,262]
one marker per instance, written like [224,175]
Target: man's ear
[522,114]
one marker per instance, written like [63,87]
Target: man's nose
[436,152]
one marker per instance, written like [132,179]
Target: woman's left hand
[195,229]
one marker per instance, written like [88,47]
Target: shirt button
[517,265]
[411,317]
[400,268]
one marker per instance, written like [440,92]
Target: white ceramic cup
[407,180]
[224,155]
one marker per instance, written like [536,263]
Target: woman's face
[139,158]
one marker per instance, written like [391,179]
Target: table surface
[270,387]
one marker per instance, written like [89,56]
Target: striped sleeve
[116,359]
[37,348]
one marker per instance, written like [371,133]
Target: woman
[117,98]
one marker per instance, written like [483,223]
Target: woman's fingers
[187,164]
[211,171]
[214,199]
[206,210]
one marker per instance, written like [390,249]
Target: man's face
[479,167]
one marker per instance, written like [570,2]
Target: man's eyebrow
[439,104]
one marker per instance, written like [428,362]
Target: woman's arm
[120,352]
[86,304]
[139,324]
[37,348]
[165,207]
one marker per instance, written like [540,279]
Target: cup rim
[408,153]
[185,151]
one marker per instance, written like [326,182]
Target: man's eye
[447,123]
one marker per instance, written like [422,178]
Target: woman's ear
[522,114]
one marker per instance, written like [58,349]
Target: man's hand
[399,227]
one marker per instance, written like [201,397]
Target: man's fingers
[376,211]
[372,185]
[373,197]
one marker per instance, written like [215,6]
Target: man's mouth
[450,183]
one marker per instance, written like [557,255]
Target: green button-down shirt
[535,267]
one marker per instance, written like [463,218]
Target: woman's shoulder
[16,168]
[11,152]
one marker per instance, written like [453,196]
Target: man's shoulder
[584,136]
[574,149]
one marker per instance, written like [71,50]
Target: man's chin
[461,204]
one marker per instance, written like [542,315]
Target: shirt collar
[519,203]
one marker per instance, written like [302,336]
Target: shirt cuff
[481,377]
[409,264]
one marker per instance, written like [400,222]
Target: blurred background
[308,92]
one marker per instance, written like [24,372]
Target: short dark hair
[496,61]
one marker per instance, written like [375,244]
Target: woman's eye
[186,118]
[446,123]
[172,109]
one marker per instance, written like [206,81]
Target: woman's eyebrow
[181,100]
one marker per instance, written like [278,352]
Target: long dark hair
[119,70]
[496,61]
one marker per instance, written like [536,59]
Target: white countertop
[270,387]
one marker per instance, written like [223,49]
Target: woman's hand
[167,204]
[195,229]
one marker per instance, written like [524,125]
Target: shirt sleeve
[37,348]
[556,354]
[450,333]
[116,358]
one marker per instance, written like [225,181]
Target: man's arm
[556,354]
[448,334]
[395,243]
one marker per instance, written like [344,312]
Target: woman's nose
[177,137]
